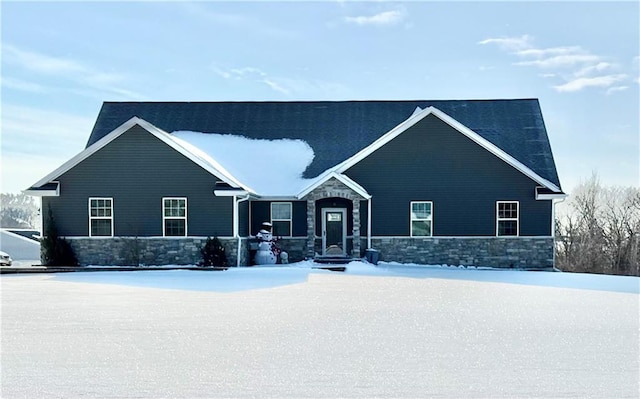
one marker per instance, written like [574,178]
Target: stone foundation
[296,248]
[136,251]
[507,252]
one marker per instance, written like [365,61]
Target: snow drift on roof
[267,167]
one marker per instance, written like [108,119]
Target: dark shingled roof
[336,130]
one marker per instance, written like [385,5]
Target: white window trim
[91,218]
[290,220]
[499,219]
[164,218]
[411,219]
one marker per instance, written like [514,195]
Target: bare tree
[601,231]
[18,211]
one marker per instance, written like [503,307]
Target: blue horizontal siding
[431,161]
[137,170]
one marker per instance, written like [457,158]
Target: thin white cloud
[221,72]
[247,71]
[287,86]
[385,18]
[546,52]
[312,88]
[238,73]
[561,61]
[510,43]
[593,69]
[275,86]
[69,70]
[581,83]
[40,62]
[584,68]
[616,89]
[22,85]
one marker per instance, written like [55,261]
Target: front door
[334,231]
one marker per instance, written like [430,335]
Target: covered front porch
[334,222]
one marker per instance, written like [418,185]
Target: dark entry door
[334,226]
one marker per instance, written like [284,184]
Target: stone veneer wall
[134,251]
[517,252]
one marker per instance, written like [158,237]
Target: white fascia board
[44,193]
[165,137]
[326,176]
[486,144]
[553,196]
[230,193]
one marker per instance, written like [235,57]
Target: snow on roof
[265,167]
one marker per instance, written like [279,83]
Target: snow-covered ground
[387,331]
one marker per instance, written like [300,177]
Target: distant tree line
[18,211]
[601,231]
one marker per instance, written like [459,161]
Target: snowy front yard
[390,331]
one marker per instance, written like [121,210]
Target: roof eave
[35,191]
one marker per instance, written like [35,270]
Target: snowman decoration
[268,251]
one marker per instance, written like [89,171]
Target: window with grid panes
[507,218]
[100,217]
[174,217]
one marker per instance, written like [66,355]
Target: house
[438,182]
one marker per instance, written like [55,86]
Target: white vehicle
[5,259]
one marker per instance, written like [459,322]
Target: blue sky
[61,60]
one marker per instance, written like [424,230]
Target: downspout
[369,223]
[236,224]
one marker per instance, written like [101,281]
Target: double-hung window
[507,218]
[421,218]
[281,218]
[100,217]
[174,217]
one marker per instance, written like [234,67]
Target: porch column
[356,228]
[311,228]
